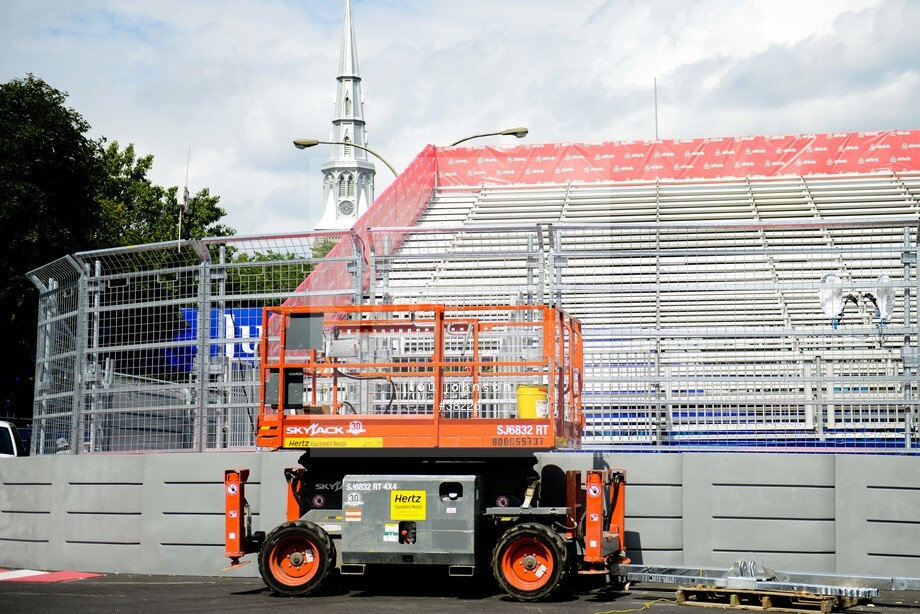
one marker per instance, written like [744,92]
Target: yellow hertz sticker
[333,442]
[407,505]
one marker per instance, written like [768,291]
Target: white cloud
[237,81]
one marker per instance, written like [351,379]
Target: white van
[10,441]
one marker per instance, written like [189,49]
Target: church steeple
[348,182]
[348,60]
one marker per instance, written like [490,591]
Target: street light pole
[520,132]
[304,143]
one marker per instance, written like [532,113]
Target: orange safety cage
[420,376]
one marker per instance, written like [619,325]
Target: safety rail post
[474,380]
[558,373]
[267,427]
[284,316]
[576,368]
[551,342]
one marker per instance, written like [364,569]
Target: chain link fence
[782,335]
[154,347]
[713,335]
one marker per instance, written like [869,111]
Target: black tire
[296,557]
[529,561]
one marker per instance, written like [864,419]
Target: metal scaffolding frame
[698,335]
[153,347]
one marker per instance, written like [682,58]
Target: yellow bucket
[531,402]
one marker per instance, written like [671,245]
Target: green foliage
[263,273]
[324,246]
[49,171]
[268,272]
[136,211]
[62,192]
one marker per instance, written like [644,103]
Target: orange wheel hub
[293,561]
[527,564]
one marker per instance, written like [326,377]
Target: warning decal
[391,532]
[407,505]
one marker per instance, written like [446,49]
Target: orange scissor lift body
[420,376]
[433,394]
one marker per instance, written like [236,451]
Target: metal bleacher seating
[699,298]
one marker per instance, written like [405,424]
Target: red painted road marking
[30,575]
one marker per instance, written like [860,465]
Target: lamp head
[304,143]
[520,132]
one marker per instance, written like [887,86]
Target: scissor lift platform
[421,376]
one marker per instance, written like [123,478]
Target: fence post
[556,262]
[200,424]
[222,411]
[42,357]
[357,269]
[910,352]
[79,364]
[821,404]
[94,288]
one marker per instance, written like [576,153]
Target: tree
[62,192]
[135,211]
[271,272]
[49,170]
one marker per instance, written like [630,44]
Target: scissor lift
[419,425]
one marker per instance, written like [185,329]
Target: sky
[227,85]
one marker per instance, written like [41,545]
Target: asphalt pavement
[409,591]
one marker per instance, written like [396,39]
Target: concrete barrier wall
[163,513]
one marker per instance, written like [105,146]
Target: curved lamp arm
[520,132]
[304,143]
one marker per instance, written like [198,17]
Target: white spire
[348,183]
[348,61]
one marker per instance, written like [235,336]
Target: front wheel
[529,561]
[296,557]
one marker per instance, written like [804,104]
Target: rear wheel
[296,557]
[529,561]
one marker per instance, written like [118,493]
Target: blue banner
[240,327]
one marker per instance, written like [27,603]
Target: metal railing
[155,347]
[410,376]
[710,335]
[716,335]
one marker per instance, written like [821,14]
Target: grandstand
[706,327]
[699,281]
